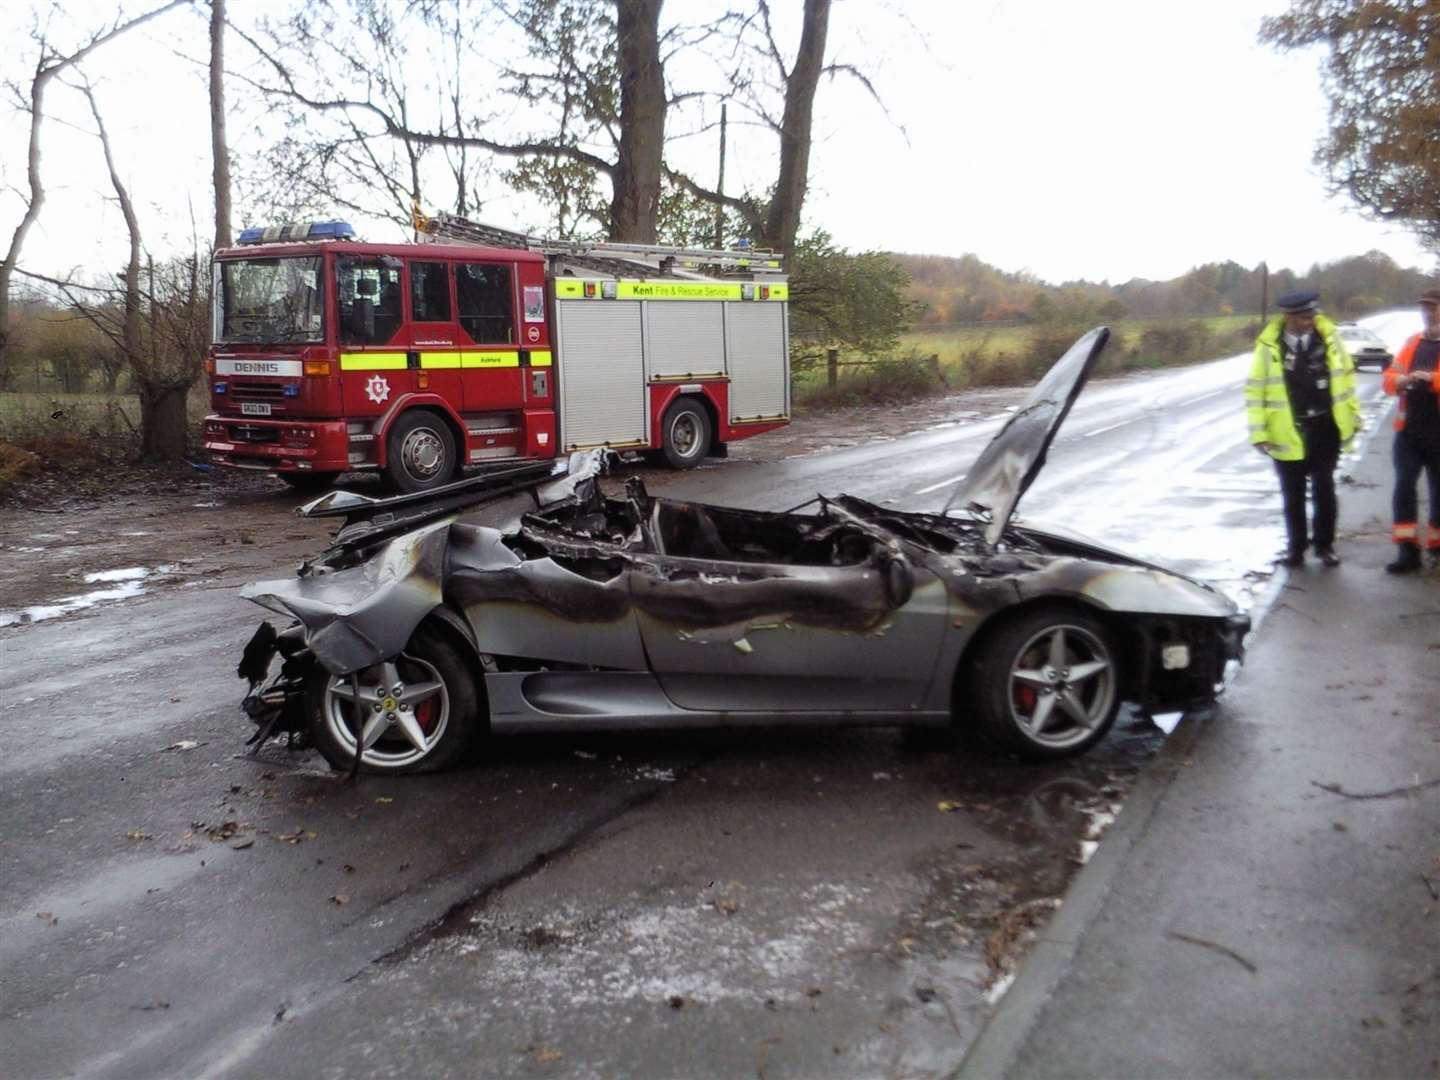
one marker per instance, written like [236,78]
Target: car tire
[436,715]
[310,482]
[685,433]
[419,452]
[1045,684]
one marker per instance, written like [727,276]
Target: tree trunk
[47,67]
[32,211]
[635,207]
[783,220]
[163,421]
[219,149]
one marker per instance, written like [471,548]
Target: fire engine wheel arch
[420,451]
[437,709]
[686,431]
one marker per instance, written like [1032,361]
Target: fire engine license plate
[254,408]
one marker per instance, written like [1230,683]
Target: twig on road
[1434,893]
[1206,944]
[1336,789]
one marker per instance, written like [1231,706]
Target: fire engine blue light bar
[313,230]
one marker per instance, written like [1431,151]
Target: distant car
[1364,346]
[534,603]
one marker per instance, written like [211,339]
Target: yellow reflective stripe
[490,359]
[540,358]
[373,361]
[569,287]
[432,360]
[779,292]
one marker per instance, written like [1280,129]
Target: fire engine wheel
[420,709]
[1045,685]
[685,434]
[420,452]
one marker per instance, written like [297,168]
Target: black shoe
[1292,558]
[1407,560]
[1327,556]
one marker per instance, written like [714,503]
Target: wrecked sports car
[527,600]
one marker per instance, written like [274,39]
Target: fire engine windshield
[269,300]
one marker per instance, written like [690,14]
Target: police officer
[1414,379]
[1302,410]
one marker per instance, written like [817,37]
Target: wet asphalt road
[746,903]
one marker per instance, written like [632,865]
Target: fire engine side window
[367,289]
[487,306]
[429,292]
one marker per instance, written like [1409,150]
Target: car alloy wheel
[1062,686]
[406,710]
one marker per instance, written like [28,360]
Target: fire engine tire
[685,433]
[429,723]
[1045,684]
[419,452]
[309,481]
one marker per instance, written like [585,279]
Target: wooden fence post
[832,366]
[934,359]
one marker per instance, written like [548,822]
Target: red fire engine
[418,360]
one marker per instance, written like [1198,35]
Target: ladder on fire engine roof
[607,257]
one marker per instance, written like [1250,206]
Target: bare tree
[603,83]
[219,148]
[762,76]
[161,328]
[50,63]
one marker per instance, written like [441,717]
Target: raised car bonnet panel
[1006,468]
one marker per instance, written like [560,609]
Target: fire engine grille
[262,391]
[252,433]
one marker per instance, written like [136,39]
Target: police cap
[1296,303]
[1430,296]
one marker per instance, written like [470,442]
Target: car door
[747,636]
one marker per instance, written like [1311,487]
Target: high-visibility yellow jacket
[1267,403]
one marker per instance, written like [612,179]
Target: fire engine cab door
[602,373]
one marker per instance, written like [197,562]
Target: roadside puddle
[122,584]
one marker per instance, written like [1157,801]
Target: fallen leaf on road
[544,1055]
[945,806]
[725,907]
[137,834]
[222,832]
[183,744]
[241,845]
[384,800]
[47,918]
[339,899]
[289,838]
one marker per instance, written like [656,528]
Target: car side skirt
[523,701]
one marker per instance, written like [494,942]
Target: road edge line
[994,1051]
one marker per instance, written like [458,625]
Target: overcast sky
[1107,140]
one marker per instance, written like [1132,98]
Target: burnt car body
[535,603]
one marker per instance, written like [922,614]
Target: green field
[1010,355]
[33,414]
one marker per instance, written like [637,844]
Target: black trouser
[1322,453]
[1410,456]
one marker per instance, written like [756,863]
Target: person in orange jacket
[1414,378]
